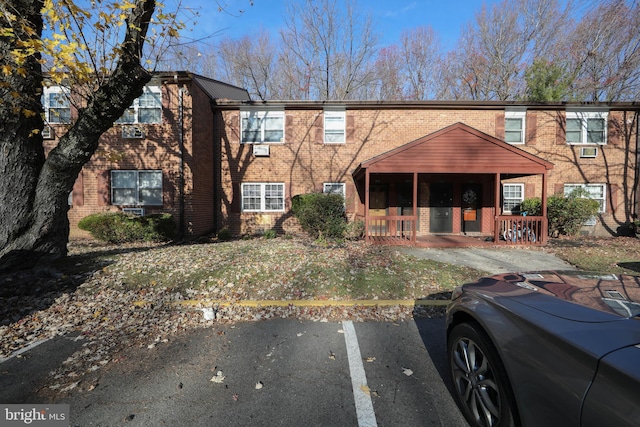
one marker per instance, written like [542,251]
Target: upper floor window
[136,187]
[147,108]
[262,126]
[334,188]
[514,126]
[512,197]
[262,197]
[57,104]
[334,127]
[586,127]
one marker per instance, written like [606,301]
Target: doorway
[441,204]
[471,204]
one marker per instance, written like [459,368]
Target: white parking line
[364,406]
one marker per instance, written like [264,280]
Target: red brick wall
[303,164]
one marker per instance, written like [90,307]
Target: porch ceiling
[456,149]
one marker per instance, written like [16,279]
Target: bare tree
[493,52]
[333,46]
[604,53]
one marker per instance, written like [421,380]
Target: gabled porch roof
[455,149]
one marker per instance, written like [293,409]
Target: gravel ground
[108,318]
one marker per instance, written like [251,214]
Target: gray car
[546,349]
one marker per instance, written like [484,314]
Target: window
[145,109]
[334,188]
[334,127]
[586,128]
[132,187]
[596,192]
[512,196]
[262,197]
[57,104]
[262,126]
[514,127]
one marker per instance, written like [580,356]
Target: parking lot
[276,372]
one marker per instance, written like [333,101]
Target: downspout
[181,225]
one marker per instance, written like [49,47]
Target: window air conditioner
[47,132]
[588,151]
[134,211]
[260,150]
[129,131]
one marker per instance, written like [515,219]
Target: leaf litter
[115,297]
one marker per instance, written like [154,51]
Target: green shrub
[269,234]
[532,206]
[120,227]
[355,230]
[320,215]
[224,235]
[567,214]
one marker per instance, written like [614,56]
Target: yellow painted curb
[299,303]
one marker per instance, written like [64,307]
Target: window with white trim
[57,104]
[514,126]
[334,127]
[586,127]
[136,187]
[262,197]
[596,192]
[262,126]
[512,197]
[147,108]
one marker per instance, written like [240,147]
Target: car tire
[481,386]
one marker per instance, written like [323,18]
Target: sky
[390,17]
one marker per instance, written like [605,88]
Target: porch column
[366,204]
[498,209]
[414,231]
[545,221]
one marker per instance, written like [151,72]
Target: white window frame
[133,114]
[582,118]
[63,103]
[137,190]
[335,127]
[262,191]
[263,117]
[519,199]
[516,115]
[602,193]
[330,188]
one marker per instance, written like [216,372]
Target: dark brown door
[471,195]
[441,203]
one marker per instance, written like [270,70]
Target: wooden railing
[521,230]
[397,230]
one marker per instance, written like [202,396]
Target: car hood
[574,295]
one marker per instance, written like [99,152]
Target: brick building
[201,150]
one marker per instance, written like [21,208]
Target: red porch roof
[456,149]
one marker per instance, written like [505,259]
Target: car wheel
[479,379]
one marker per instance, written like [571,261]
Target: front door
[471,207]
[441,203]
[378,207]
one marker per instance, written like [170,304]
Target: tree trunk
[33,190]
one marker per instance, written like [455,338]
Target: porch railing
[521,230]
[397,230]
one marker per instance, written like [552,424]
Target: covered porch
[449,184]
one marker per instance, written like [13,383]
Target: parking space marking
[364,405]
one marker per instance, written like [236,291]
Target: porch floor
[452,241]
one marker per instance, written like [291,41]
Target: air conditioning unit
[261,150]
[47,132]
[129,131]
[134,211]
[588,152]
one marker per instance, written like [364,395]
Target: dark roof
[219,90]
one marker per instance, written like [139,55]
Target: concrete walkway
[493,260]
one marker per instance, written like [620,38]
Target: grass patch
[619,255]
